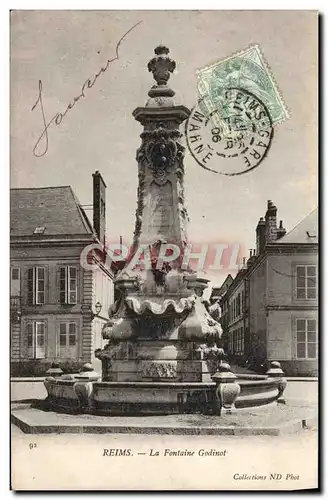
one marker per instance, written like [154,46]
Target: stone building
[275,298]
[58,307]
[237,318]
[220,305]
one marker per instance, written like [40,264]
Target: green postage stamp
[246,70]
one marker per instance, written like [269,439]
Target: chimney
[281,231]
[271,223]
[260,236]
[99,206]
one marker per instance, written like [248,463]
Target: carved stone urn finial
[162,65]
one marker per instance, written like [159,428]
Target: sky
[62,49]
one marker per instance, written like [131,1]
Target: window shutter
[72,284]
[40,273]
[30,285]
[58,285]
[62,284]
[40,340]
[29,338]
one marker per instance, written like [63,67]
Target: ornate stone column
[161,212]
[159,320]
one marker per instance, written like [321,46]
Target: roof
[218,291]
[307,231]
[56,209]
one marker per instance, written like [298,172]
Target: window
[238,341]
[306,282]
[36,339]
[15,281]
[68,285]
[36,285]
[67,346]
[39,230]
[15,273]
[230,346]
[242,340]
[306,331]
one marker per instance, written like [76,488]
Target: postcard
[164,250]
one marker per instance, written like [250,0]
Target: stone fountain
[159,325]
[162,354]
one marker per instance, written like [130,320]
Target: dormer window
[39,230]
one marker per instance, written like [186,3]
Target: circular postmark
[231,137]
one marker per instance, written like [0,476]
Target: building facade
[58,305]
[218,299]
[237,317]
[273,301]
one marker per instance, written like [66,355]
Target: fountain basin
[142,398]
[256,392]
